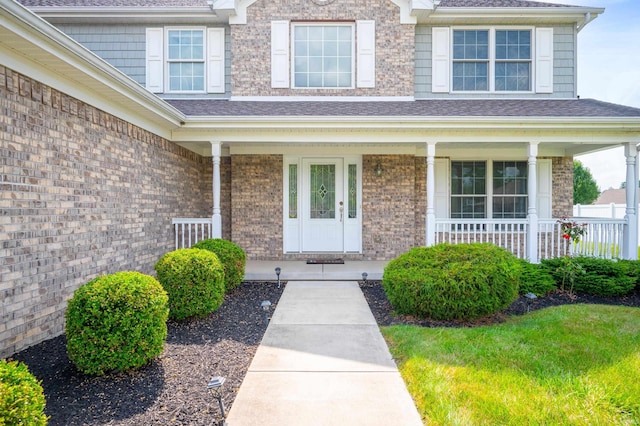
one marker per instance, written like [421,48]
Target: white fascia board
[180,15]
[577,15]
[54,58]
[322,98]
[629,126]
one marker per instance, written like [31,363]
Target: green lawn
[567,365]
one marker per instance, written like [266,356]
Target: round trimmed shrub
[452,281]
[194,280]
[232,257]
[22,400]
[535,279]
[116,322]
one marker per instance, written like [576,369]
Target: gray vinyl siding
[123,46]
[120,45]
[564,67]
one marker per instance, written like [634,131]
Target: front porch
[407,199]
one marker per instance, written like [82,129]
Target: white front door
[323,205]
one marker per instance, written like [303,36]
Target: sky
[609,70]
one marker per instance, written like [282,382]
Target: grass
[566,365]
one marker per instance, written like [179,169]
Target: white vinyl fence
[610,211]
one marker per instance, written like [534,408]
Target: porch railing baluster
[189,231]
[603,238]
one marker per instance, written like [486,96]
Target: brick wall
[388,205]
[251,46]
[562,178]
[256,205]
[83,193]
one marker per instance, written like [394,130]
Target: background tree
[585,189]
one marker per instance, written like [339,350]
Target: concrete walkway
[323,362]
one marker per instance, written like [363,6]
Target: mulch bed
[171,390]
[383,312]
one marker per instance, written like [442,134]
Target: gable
[264,56]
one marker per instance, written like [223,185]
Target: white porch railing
[510,234]
[604,237]
[189,231]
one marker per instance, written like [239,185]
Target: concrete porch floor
[298,270]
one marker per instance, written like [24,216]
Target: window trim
[167,61]
[292,42]
[492,58]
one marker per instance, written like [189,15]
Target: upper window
[513,61]
[323,56]
[470,60]
[185,57]
[492,60]
[329,55]
[185,60]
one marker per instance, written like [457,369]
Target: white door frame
[293,212]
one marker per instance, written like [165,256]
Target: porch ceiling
[475,149]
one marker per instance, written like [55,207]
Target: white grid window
[185,57]
[470,60]
[492,60]
[323,56]
[513,60]
[497,190]
[468,189]
[509,189]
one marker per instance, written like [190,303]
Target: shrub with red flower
[572,230]
[570,269]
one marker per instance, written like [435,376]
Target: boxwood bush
[633,270]
[22,400]
[601,277]
[535,279]
[116,322]
[194,281]
[232,257]
[459,281]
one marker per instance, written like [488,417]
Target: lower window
[481,190]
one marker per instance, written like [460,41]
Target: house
[612,196]
[358,128]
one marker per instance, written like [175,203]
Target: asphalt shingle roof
[498,3]
[421,108]
[199,3]
[113,3]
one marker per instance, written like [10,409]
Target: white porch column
[216,151]
[431,190]
[630,249]
[532,211]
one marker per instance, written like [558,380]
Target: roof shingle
[114,3]
[422,108]
[498,3]
[200,3]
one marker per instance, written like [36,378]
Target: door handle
[341,210]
